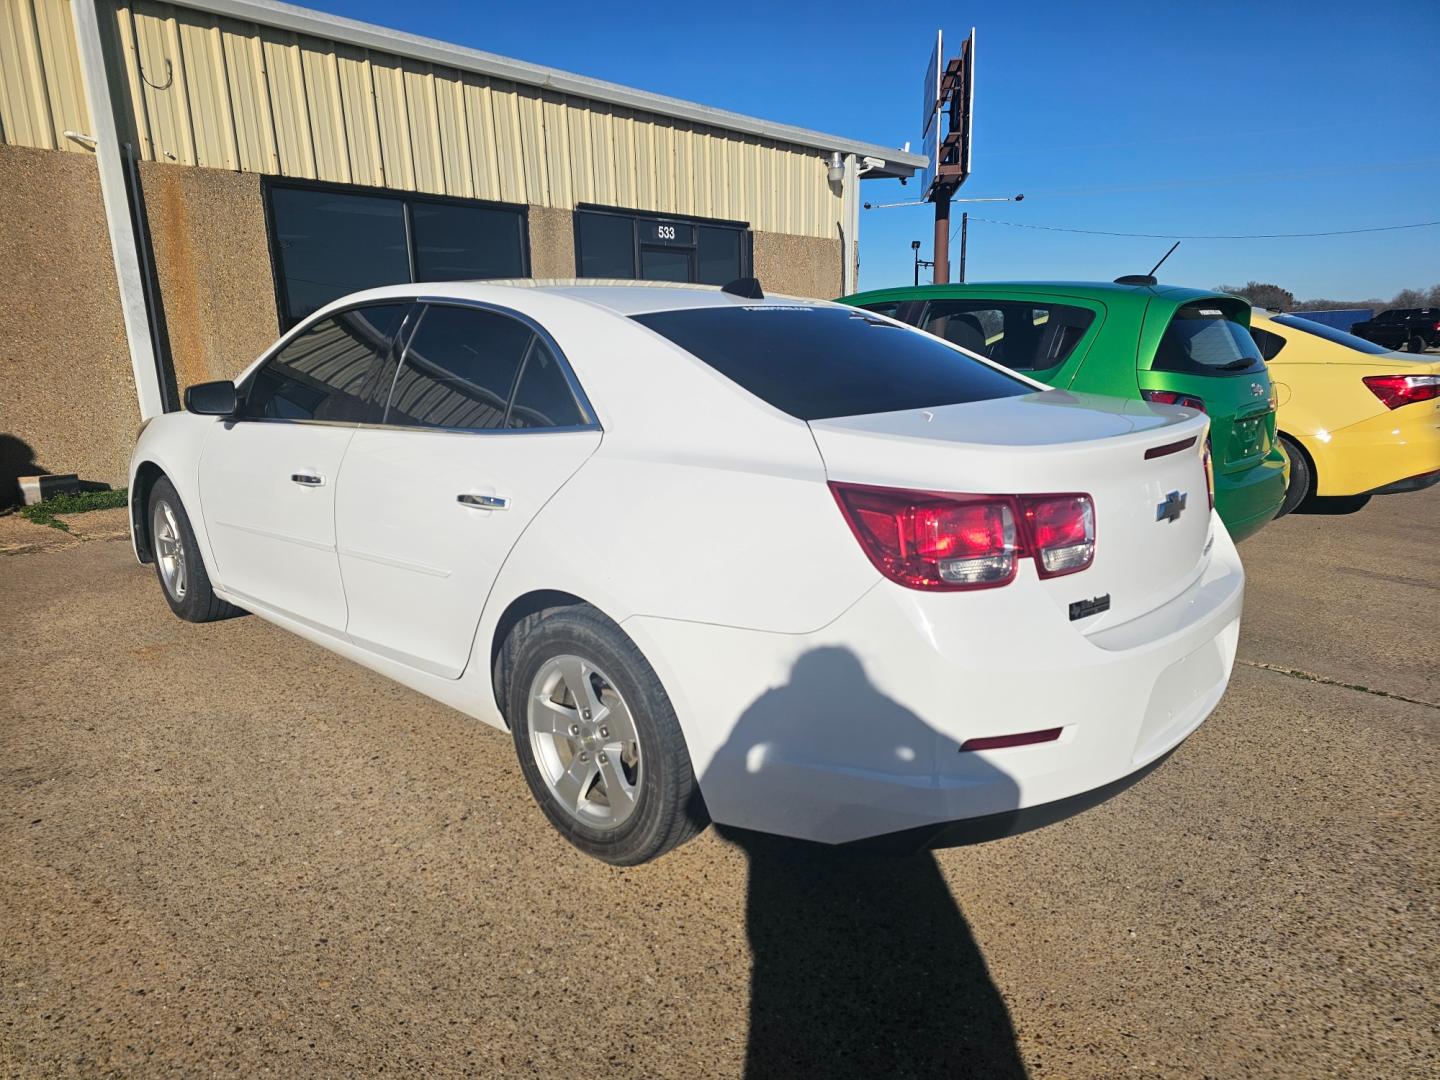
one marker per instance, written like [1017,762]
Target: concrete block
[34,489]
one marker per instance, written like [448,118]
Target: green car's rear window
[1204,338]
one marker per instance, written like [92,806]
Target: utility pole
[964,235]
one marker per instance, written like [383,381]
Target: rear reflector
[1396,390]
[1170,448]
[940,541]
[1000,742]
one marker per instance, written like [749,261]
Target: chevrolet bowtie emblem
[1172,507]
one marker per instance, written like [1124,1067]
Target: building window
[327,241]
[648,247]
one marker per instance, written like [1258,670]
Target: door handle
[307,479]
[484,502]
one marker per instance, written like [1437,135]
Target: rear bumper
[854,731]
[1410,483]
[1248,500]
[1375,454]
[981,830]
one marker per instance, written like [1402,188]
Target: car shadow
[862,963]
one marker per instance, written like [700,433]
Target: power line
[1202,236]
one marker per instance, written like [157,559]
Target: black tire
[1302,477]
[668,809]
[196,601]
[1415,344]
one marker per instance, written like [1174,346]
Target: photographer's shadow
[863,964]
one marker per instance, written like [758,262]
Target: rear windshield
[816,363]
[1329,333]
[1204,339]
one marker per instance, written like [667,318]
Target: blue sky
[1129,117]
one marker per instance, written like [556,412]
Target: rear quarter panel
[702,503]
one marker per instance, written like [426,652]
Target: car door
[484,423]
[267,475]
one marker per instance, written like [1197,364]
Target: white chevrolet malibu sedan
[780,564]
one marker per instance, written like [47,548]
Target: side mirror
[212,398]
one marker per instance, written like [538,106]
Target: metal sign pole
[941,254]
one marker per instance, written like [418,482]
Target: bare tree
[1262,295]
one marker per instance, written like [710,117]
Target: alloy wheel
[169,550]
[584,741]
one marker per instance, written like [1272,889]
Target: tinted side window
[332,371]
[543,398]
[890,308]
[819,362]
[1268,343]
[1204,339]
[459,369]
[1022,335]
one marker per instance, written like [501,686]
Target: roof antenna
[1147,279]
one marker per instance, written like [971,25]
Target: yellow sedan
[1355,419]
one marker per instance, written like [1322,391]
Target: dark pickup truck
[1416,329]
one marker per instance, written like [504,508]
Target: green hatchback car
[1165,344]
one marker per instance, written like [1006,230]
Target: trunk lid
[1056,442]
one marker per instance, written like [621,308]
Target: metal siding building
[216,102]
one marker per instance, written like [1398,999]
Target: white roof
[620,296]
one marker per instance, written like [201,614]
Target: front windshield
[1329,333]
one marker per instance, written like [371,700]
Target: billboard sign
[947,133]
[930,113]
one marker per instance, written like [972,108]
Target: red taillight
[1436,328]
[1396,390]
[1209,474]
[1171,397]
[1062,530]
[940,541]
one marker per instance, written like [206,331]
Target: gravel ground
[223,849]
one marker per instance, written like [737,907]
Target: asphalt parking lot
[223,849]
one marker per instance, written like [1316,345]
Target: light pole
[919,262]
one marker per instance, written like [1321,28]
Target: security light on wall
[836,172]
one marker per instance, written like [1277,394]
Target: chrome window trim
[401,342]
[568,429]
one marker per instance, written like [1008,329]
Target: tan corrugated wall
[229,95]
[41,92]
